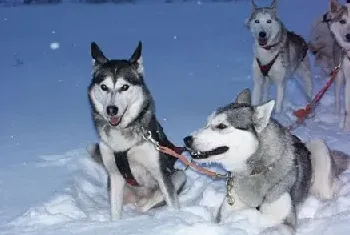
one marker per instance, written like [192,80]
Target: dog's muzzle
[188,140]
[206,154]
[262,38]
[113,118]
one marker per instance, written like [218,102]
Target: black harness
[122,162]
[265,68]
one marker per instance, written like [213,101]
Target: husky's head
[230,136]
[117,91]
[340,23]
[264,23]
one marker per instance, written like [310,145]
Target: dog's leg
[265,89]
[347,104]
[337,86]
[167,188]
[281,213]
[226,209]
[258,83]
[305,73]
[178,178]
[279,210]
[280,95]
[117,181]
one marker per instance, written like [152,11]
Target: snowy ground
[197,57]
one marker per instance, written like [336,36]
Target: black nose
[262,34]
[112,110]
[348,37]
[188,140]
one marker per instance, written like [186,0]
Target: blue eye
[269,21]
[257,21]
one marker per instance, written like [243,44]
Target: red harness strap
[265,69]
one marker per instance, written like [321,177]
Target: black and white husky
[123,112]
[279,55]
[272,170]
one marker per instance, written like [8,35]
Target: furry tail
[326,167]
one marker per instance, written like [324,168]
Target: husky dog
[340,27]
[279,54]
[272,169]
[123,112]
[323,46]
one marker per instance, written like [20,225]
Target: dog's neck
[263,158]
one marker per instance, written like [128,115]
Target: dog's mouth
[114,120]
[206,154]
[262,41]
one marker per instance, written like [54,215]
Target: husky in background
[279,54]
[340,27]
[323,45]
[272,169]
[123,112]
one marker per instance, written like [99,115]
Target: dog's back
[297,47]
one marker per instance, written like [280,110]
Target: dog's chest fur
[119,141]
[142,156]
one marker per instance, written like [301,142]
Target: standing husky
[279,53]
[272,169]
[340,27]
[123,111]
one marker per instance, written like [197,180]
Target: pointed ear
[334,6]
[244,97]
[136,58]
[97,55]
[262,115]
[254,6]
[273,4]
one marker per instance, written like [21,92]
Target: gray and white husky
[123,112]
[340,27]
[279,55]
[272,169]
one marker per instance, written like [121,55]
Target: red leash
[304,113]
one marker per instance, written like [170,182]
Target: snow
[197,56]
[54,45]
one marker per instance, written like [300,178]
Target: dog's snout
[348,37]
[112,110]
[188,140]
[262,34]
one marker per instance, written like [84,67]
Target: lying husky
[340,27]
[123,112]
[272,169]
[279,55]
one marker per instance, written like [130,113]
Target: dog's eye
[221,126]
[242,128]
[104,87]
[257,21]
[269,21]
[124,87]
[342,21]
